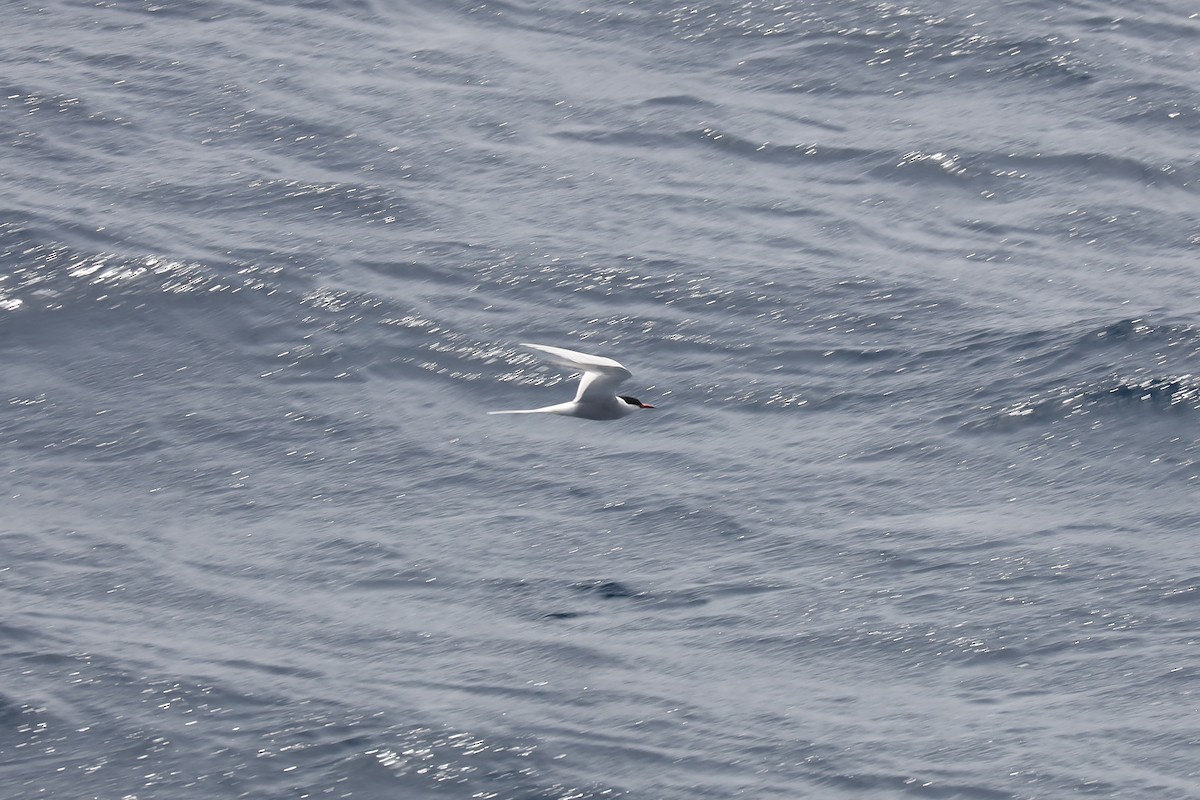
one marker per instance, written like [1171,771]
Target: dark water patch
[24,102]
[343,550]
[957,57]
[656,598]
[12,633]
[72,562]
[849,356]
[1172,397]
[1128,229]
[385,578]
[862,48]
[406,269]
[1176,108]
[807,642]
[606,590]
[689,520]
[1012,175]
[74,436]
[915,450]
[1111,369]
[461,71]
[722,139]
[1122,331]
[677,101]
[46,660]
[1120,169]
[995,657]
[289,200]
[908,785]
[632,138]
[266,668]
[779,154]
[547,599]
[1137,343]
[1058,69]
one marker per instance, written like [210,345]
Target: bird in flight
[595,398]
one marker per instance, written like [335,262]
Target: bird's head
[633,401]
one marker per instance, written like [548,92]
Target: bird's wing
[601,376]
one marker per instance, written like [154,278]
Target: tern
[595,398]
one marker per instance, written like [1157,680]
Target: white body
[596,397]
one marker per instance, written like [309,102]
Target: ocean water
[912,286]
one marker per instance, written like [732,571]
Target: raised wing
[601,376]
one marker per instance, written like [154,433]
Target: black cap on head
[633,401]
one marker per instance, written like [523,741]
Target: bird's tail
[557,408]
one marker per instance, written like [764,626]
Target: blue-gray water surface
[912,287]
